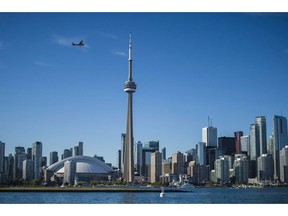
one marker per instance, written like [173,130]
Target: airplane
[81,43]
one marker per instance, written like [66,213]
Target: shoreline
[87,189]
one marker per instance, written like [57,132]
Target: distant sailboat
[162,194]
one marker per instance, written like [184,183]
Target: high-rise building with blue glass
[280,139]
[37,159]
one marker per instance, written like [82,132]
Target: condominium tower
[37,159]
[280,139]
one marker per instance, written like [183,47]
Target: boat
[162,194]
[186,187]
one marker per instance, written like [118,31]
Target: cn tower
[129,88]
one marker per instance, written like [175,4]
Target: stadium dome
[87,168]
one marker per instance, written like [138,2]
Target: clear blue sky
[187,66]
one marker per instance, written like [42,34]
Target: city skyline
[230,66]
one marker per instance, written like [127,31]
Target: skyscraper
[123,141]
[201,153]
[19,157]
[261,123]
[222,169]
[69,172]
[156,166]
[177,163]
[53,157]
[280,139]
[253,150]
[163,151]
[78,150]
[209,136]
[137,156]
[37,159]
[227,145]
[241,169]
[238,135]
[80,146]
[145,161]
[129,88]
[2,155]
[265,167]
[27,170]
[245,143]
[284,164]
[152,144]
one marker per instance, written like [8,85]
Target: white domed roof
[84,164]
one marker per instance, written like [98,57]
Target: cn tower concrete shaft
[129,88]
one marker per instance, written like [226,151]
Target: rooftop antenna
[209,121]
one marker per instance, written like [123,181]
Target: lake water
[198,196]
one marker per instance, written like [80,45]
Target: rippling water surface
[198,196]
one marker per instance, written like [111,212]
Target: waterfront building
[123,141]
[53,157]
[222,169]
[119,161]
[2,156]
[237,136]
[29,153]
[187,157]
[152,144]
[167,178]
[19,157]
[261,123]
[198,173]
[27,170]
[280,139]
[69,172]
[166,167]
[9,167]
[209,136]
[129,88]
[270,145]
[145,162]
[78,150]
[137,155]
[241,169]
[227,145]
[67,153]
[245,144]
[163,151]
[44,161]
[201,153]
[178,163]
[37,159]
[265,168]
[253,150]
[212,153]
[156,166]
[284,164]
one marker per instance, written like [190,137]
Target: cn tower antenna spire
[130,59]
[130,47]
